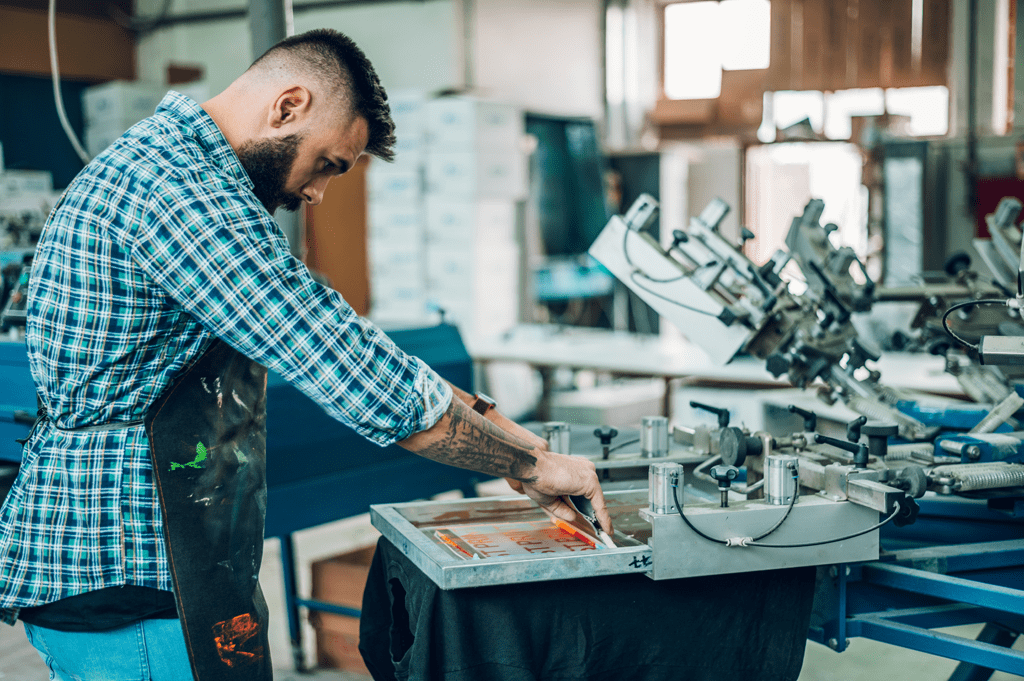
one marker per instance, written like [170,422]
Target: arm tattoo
[479,445]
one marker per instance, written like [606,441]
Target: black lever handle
[809,417]
[853,428]
[722,414]
[859,451]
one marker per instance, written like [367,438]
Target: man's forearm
[466,439]
[502,421]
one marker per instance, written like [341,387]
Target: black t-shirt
[103,609]
[750,626]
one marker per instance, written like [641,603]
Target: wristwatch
[482,403]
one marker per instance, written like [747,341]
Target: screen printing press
[896,552]
[913,522]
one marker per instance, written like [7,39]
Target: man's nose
[313,192]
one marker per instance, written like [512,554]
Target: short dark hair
[336,56]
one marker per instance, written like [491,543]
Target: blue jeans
[148,650]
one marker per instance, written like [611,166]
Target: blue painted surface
[17,393]
[317,469]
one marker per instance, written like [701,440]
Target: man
[161,289]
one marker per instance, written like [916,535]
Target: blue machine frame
[932,583]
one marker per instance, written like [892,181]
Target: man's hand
[559,475]
[466,439]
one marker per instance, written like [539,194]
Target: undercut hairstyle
[339,63]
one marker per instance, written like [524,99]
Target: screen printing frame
[397,522]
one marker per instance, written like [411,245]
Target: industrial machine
[914,519]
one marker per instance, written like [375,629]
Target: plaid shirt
[158,246]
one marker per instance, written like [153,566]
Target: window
[703,38]
[830,113]
[928,108]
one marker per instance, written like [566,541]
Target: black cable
[831,541]
[969,303]
[632,276]
[625,252]
[637,271]
[623,444]
[679,506]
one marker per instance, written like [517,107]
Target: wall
[411,44]
[542,54]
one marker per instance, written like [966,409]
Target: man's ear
[290,107]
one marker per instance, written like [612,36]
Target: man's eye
[327,166]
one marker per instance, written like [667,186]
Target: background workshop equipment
[759,260]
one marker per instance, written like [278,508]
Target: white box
[99,137]
[388,276]
[482,293]
[476,321]
[121,101]
[409,112]
[398,186]
[198,91]
[482,223]
[402,303]
[471,174]
[460,268]
[470,123]
[16,183]
[396,222]
[407,160]
[387,254]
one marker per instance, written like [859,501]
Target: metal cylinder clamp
[653,437]
[557,434]
[662,477]
[781,479]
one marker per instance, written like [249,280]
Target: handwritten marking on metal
[641,561]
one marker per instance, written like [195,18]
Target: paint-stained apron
[207,438]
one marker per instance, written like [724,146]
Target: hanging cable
[55,75]
[891,517]
[623,444]
[633,278]
[734,541]
[969,303]
[753,541]
[637,271]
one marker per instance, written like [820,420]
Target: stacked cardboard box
[476,173]
[340,580]
[111,108]
[395,218]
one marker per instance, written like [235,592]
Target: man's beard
[269,162]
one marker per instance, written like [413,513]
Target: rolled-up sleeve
[224,260]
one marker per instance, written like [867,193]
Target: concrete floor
[864,661]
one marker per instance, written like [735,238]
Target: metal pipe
[266,24]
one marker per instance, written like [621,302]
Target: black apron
[207,439]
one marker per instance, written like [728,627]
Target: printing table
[548,347]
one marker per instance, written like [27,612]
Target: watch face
[483,403]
